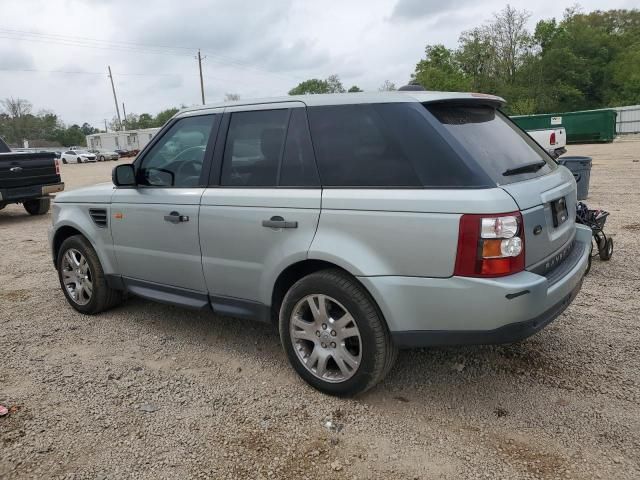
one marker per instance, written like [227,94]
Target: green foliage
[314,85]
[146,120]
[355,89]
[580,62]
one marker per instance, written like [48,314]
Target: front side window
[176,160]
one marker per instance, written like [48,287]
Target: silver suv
[358,223]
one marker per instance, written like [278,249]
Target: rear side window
[268,148]
[493,141]
[385,145]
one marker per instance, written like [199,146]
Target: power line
[33,70]
[85,42]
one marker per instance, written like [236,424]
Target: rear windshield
[492,140]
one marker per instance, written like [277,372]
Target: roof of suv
[355,98]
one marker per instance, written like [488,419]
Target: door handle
[175,217]
[279,222]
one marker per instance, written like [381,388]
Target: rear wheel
[102,158]
[82,278]
[39,206]
[334,335]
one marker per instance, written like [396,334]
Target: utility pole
[115,99]
[201,81]
[105,126]
[124,113]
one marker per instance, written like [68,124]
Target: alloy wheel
[326,338]
[77,277]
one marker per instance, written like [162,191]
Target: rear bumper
[19,194]
[459,310]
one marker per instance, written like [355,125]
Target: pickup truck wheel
[39,206]
[334,335]
[82,278]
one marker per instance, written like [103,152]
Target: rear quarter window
[385,145]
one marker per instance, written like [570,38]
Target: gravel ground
[152,391]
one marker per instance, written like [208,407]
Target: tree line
[584,61]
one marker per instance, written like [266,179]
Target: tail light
[490,245]
[552,138]
[57,162]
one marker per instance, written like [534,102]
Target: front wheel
[82,278]
[39,206]
[101,158]
[334,335]
[64,160]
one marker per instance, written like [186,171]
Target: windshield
[498,145]
[82,152]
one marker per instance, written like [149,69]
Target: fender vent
[99,216]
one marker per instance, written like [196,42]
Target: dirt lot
[151,391]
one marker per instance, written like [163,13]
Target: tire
[102,297]
[102,158]
[64,160]
[39,206]
[607,251]
[376,351]
[2,205]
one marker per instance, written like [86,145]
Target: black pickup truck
[28,178]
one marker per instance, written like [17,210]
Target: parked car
[77,156]
[359,224]
[28,178]
[553,140]
[120,152]
[103,155]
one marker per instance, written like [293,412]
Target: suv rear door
[155,225]
[261,211]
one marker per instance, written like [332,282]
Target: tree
[354,89]
[440,70]
[510,40]
[231,97]
[164,116]
[314,85]
[334,84]
[387,86]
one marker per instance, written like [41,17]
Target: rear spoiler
[459,98]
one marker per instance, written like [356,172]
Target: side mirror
[124,176]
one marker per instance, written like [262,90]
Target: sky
[55,53]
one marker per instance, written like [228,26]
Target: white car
[77,156]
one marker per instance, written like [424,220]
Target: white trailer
[121,140]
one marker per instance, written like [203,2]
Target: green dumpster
[582,127]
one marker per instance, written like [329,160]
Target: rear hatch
[544,191]
[25,169]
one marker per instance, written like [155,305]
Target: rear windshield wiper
[529,167]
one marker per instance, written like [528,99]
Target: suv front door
[262,209]
[155,225]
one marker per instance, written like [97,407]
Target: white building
[121,140]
